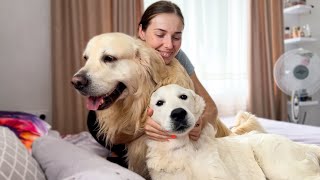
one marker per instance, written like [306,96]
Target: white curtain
[215,39]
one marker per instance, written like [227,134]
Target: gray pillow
[15,160]
[62,160]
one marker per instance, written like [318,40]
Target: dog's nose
[79,82]
[178,114]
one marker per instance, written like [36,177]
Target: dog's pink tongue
[93,103]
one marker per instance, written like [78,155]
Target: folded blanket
[26,126]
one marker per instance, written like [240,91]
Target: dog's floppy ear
[199,104]
[152,61]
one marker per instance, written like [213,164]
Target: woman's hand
[196,131]
[154,131]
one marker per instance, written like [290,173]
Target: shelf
[297,9]
[299,40]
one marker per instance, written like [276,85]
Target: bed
[80,157]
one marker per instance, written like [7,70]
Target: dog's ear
[199,104]
[152,61]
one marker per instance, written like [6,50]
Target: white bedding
[79,157]
[295,132]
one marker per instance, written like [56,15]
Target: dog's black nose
[79,82]
[179,121]
[178,114]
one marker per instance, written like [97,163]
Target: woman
[161,27]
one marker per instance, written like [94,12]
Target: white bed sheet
[296,132]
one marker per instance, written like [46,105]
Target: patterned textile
[26,126]
[16,163]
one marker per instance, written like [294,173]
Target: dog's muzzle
[96,101]
[179,120]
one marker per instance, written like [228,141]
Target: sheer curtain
[215,39]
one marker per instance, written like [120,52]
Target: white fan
[297,73]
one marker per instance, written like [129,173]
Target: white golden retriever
[252,156]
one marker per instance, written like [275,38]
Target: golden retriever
[118,78]
[253,156]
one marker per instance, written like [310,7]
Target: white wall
[313,112]
[25,69]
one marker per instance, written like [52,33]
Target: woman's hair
[158,8]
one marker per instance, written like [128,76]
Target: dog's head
[117,65]
[176,109]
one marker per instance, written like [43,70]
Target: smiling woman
[216,41]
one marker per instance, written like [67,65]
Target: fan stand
[295,108]
[297,100]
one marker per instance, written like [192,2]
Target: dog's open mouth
[105,101]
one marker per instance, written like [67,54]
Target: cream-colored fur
[252,156]
[141,69]
[244,121]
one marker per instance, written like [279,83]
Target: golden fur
[142,70]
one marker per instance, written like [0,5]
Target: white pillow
[62,160]
[15,160]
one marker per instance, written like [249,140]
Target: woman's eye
[108,58]
[160,35]
[183,97]
[177,38]
[160,103]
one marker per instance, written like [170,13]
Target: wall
[25,72]
[312,112]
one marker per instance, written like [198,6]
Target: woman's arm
[211,112]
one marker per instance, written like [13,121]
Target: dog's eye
[160,103]
[85,57]
[108,58]
[183,97]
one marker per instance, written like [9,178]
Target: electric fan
[297,73]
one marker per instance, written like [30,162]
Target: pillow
[62,160]
[15,161]
[26,126]
[85,140]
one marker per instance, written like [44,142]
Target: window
[215,39]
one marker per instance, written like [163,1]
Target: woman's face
[164,34]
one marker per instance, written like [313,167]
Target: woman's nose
[168,43]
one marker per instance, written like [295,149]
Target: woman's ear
[141,33]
